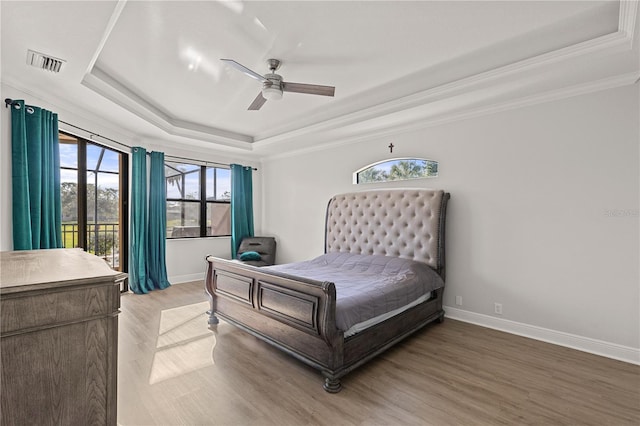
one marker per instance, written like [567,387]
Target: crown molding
[611,42]
[117,11]
[621,40]
[330,140]
[109,87]
[71,112]
[104,84]
[627,18]
[101,128]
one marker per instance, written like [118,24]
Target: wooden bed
[298,315]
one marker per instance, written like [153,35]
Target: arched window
[396,169]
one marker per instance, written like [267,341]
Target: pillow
[250,255]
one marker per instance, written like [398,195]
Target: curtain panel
[241,206]
[156,241]
[147,253]
[138,282]
[35,173]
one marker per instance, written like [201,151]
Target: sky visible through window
[69,158]
[192,181]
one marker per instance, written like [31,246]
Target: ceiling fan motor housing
[273,80]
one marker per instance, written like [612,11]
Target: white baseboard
[179,279]
[585,344]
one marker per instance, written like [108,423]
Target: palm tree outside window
[396,169]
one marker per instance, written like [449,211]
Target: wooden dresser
[58,338]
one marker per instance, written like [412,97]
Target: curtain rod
[92,134]
[129,146]
[9,101]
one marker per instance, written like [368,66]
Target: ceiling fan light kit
[273,85]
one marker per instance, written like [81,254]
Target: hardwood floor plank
[174,371]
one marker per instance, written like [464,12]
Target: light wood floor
[174,371]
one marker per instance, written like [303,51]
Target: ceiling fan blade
[311,89]
[257,102]
[244,70]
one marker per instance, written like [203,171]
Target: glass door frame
[123,197]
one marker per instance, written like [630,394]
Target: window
[198,200]
[396,169]
[93,193]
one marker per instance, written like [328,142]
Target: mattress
[368,287]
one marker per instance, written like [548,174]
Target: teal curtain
[241,206]
[147,258]
[156,243]
[138,279]
[35,172]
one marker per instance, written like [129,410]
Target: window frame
[202,200]
[356,174]
[81,171]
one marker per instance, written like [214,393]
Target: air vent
[44,62]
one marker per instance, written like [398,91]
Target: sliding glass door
[94,199]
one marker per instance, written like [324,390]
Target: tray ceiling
[153,66]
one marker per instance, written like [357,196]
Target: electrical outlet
[459,300]
[497,307]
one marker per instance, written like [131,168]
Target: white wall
[185,257]
[543,216]
[6,239]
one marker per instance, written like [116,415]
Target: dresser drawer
[33,310]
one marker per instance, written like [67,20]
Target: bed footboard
[295,314]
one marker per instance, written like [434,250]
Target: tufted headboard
[406,223]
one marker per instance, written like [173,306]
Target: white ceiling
[153,68]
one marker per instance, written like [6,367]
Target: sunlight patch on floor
[184,342]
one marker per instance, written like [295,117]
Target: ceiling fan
[273,85]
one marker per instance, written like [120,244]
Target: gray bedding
[367,285]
